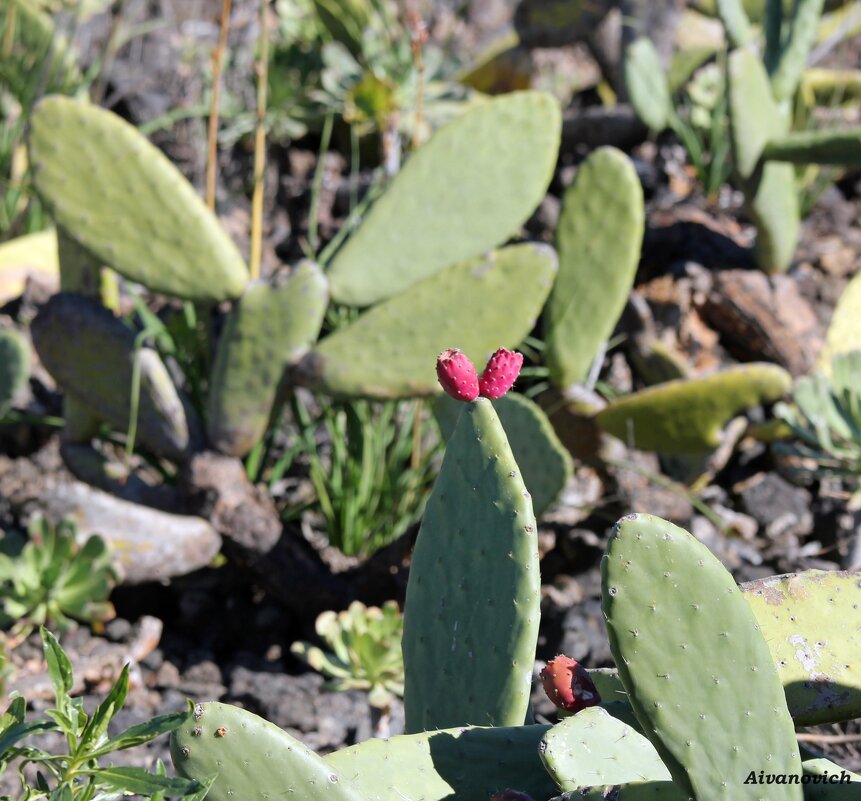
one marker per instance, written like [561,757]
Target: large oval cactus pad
[470,763]
[812,624]
[477,306]
[473,598]
[698,672]
[470,188]
[254,759]
[599,237]
[124,201]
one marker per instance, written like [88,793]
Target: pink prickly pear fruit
[568,685]
[457,375]
[510,795]
[500,374]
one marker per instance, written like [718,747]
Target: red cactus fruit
[457,375]
[500,374]
[568,685]
[510,795]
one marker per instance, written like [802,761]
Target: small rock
[782,508]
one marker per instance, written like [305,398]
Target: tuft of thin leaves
[77,774]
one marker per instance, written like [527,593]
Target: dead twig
[212,143]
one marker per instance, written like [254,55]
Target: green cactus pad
[812,624]
[647,85]
[545,463]
[687,416]
[636,791]
[795,48]
[14,367]
[735,20]
[824,790]
[122,199]
[769,189]
[91,354]
[592,748]
[468,764]
[270,329]
[697,669]
[841,147]
[599,237]
[468,189]
[473,598]
[34,57]
[477,306]
[254,759]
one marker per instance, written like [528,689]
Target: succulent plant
[366,651]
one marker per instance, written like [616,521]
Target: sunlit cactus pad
[468,189]
[122,199]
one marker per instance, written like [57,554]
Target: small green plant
[373,483]
[52,581]
[77,775]
[825,418]
[366,651]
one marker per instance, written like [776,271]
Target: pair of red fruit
[459,379]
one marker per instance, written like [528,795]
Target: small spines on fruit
[457,375]
[501,372]
[568,685]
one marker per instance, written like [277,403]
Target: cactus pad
[121,198]
[841,147]
[31,255]
[844,333]
[545,463]
[91,354]
[646,84]
[14,367]
[390,351]
[463,763]
[468,189]
[598,238]
[592,748]
[812,624]
[698,671]
[473,598]
[270,328]
[254,759]
[686,416]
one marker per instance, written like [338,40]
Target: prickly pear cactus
[841,147]
[545,463]
[14,367]
[769,188]
[253,758]
[647,85]
[593,748]
[687,416]
[270,328]
[391,349]
[463,763]
[123,200]
[636,791]
[31,255]
[468,189]
[844,333]
[473,598]
[698,672]
[599,237]
[812,624]
[92,354]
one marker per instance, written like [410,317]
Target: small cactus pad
[687,416]
[473,597]
[647,85]
[795,48]
[812,624]
[14,367]
[91,354]
[456,375]
[593,748]
[254,759]
[500,373]
[844,333]
[545,463]
[270,328]
[468,763]
[840,147]
[698,671]
[34,56]
[468,189]
[123,200]
[568,684]
[390,350]
[599,237]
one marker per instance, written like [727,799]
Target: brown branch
[217,61]
[260,144]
